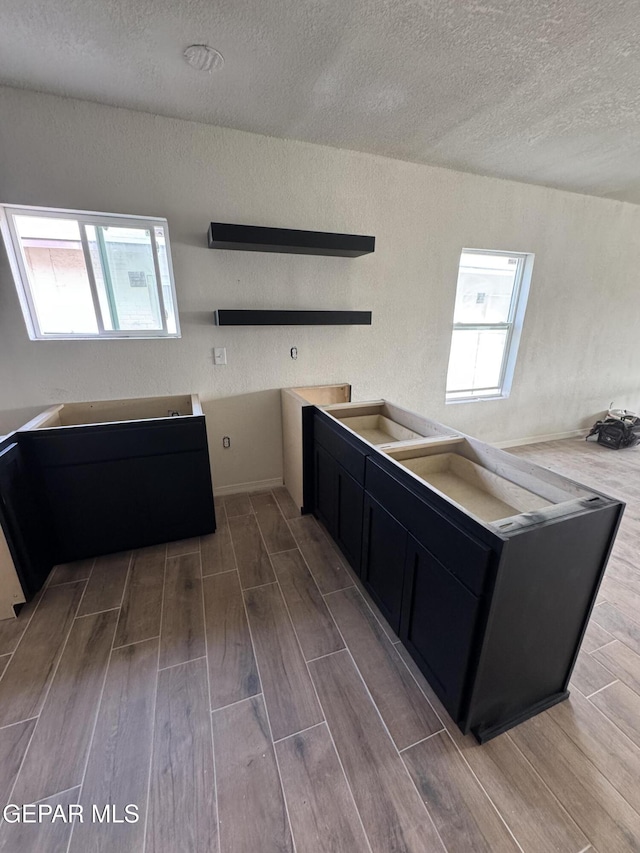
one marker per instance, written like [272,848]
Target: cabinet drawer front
[463,555]
[101,443]
[383,559]
[439,616]
[342,447]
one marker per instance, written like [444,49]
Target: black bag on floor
[617,432]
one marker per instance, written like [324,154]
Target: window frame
[513,327]
[18,264]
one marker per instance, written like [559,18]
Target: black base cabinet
[383,559]
[114,487]
[23,520]
[338,494]
[326,473]
[348,531]
[435,605]
[71,492]
[493,613]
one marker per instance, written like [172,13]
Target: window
[491,297]
[91,275]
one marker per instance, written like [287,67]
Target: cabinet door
[350,496]
[23,523]
[383,559]
[326,488]
[463,554]
[439,617]
[120,504]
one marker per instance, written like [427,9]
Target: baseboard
[485,733]
[238,488]
[537,439]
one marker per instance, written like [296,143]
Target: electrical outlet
[220,355]
[226,441]
[294,353]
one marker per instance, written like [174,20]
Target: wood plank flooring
[320,804]
[57,752]
[182,803]
[248,782]
[242,692]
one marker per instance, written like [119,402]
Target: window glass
[122,262]
[59,284]
[476,359]
[485,288]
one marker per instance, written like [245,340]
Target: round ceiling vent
[203,58]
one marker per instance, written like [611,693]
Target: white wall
[579,348]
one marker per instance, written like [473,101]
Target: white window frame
[18,264]
[513,327]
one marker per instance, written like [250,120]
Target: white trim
[537,439]
[64,211]
[16,262]
[42,419]
[174,296]
[240,488]
[196,407]
[91,275]
[156,266]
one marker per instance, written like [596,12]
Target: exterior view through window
[89,275]
[490,302]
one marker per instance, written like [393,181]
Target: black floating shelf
[292,318]
[254,238]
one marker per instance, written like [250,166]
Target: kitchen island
[485,565]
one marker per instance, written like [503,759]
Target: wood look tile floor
[245,694]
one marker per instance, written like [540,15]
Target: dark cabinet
[338,504]
[116,486]
[23,521]
[438,623]
[461,553]
[348,531]
[492,609]
[383,559]
[85,479]
[325,488]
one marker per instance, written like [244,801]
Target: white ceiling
[545,91]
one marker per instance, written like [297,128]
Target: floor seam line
[181,663]
[600,689]
[266,711]
[422,740]
[95,721]
[136,642]
[213,747]
[237,702]
[154,712]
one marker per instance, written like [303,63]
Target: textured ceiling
[536,90]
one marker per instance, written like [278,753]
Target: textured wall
[579,346]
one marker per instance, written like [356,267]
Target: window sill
[476,399]
[68,338]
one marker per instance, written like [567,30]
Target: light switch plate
[220,355]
